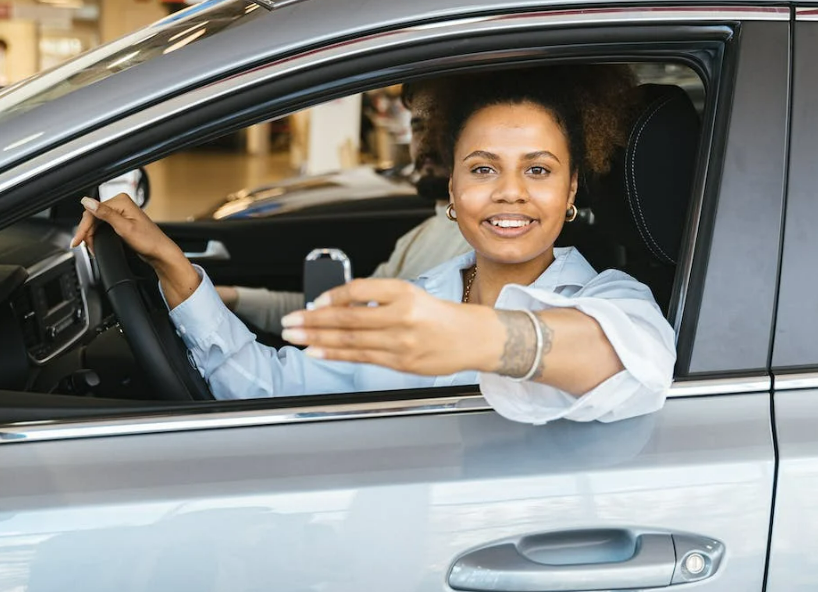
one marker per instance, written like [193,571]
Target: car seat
[641,206]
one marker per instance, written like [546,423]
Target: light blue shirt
[237,367]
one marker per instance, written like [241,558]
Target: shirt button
[181,330]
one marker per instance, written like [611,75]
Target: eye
[538,171]
[482,170]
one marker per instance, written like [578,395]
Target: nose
[510,188]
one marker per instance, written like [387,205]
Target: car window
[346,150]
[352,157]
[343,150]
[250,206]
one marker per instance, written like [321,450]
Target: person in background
[432,242]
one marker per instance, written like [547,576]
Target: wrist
[178,277]
[484,339]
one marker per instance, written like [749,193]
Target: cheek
[469,197]
[551,197]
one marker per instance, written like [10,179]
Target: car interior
[69,320]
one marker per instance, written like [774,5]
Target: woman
[543,334]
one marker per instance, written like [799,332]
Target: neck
[493,276]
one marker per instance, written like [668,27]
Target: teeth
[510,223]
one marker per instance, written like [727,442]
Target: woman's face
[511,182]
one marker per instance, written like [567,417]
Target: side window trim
[794,356]
[204,417]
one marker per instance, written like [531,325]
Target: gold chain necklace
[469,282]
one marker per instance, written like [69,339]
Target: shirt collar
[569,268]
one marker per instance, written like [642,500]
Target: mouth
[510,225]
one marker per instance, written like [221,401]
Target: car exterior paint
[391,492]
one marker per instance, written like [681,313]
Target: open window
[207,189]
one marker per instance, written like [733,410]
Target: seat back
[641,205]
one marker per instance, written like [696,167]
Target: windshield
[174,32]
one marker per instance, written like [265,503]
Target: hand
[129,222]
[409,330]
[178,277]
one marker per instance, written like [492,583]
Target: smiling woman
[543,334]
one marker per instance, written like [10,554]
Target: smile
[503,223]
[509,225]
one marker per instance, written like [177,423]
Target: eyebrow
[483,154]
[530,156]
[540,154]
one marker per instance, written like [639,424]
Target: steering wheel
[144,320]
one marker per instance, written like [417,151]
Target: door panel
[376,504]
[797,314]
[270,251]
[793,561]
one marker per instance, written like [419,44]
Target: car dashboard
[51,309]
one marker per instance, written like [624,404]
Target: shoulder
[571,277]
[444,280]
[613,283]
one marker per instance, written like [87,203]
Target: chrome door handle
[587,560]
[214,251]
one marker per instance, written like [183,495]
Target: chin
[512,256]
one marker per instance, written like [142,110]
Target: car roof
[292,26]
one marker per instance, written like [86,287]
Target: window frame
[218,110]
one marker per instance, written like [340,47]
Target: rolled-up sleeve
[635,327]
[236,366]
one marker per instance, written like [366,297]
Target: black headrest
[643,201]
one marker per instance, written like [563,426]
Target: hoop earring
[450,213]
[571,213]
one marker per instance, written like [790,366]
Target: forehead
[527,119]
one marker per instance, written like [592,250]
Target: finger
[84,229]
[102,211]
[334,339]
[361,356]
[343,317]
[381,291]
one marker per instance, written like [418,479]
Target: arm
[226,353]
[236,366]
[262,307]
[576,354]
[444,338]
[176,275]
[609,353]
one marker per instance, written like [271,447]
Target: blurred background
[364,136]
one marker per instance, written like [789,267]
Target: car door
[795,358]
[431,490]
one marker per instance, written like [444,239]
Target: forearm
[265,308]
[576,356]
[177,276]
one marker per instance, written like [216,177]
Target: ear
[572,190]
[451,193]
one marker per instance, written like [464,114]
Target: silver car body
[427,493]
[298,193]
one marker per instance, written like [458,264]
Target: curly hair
[592,104]
[606,100]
